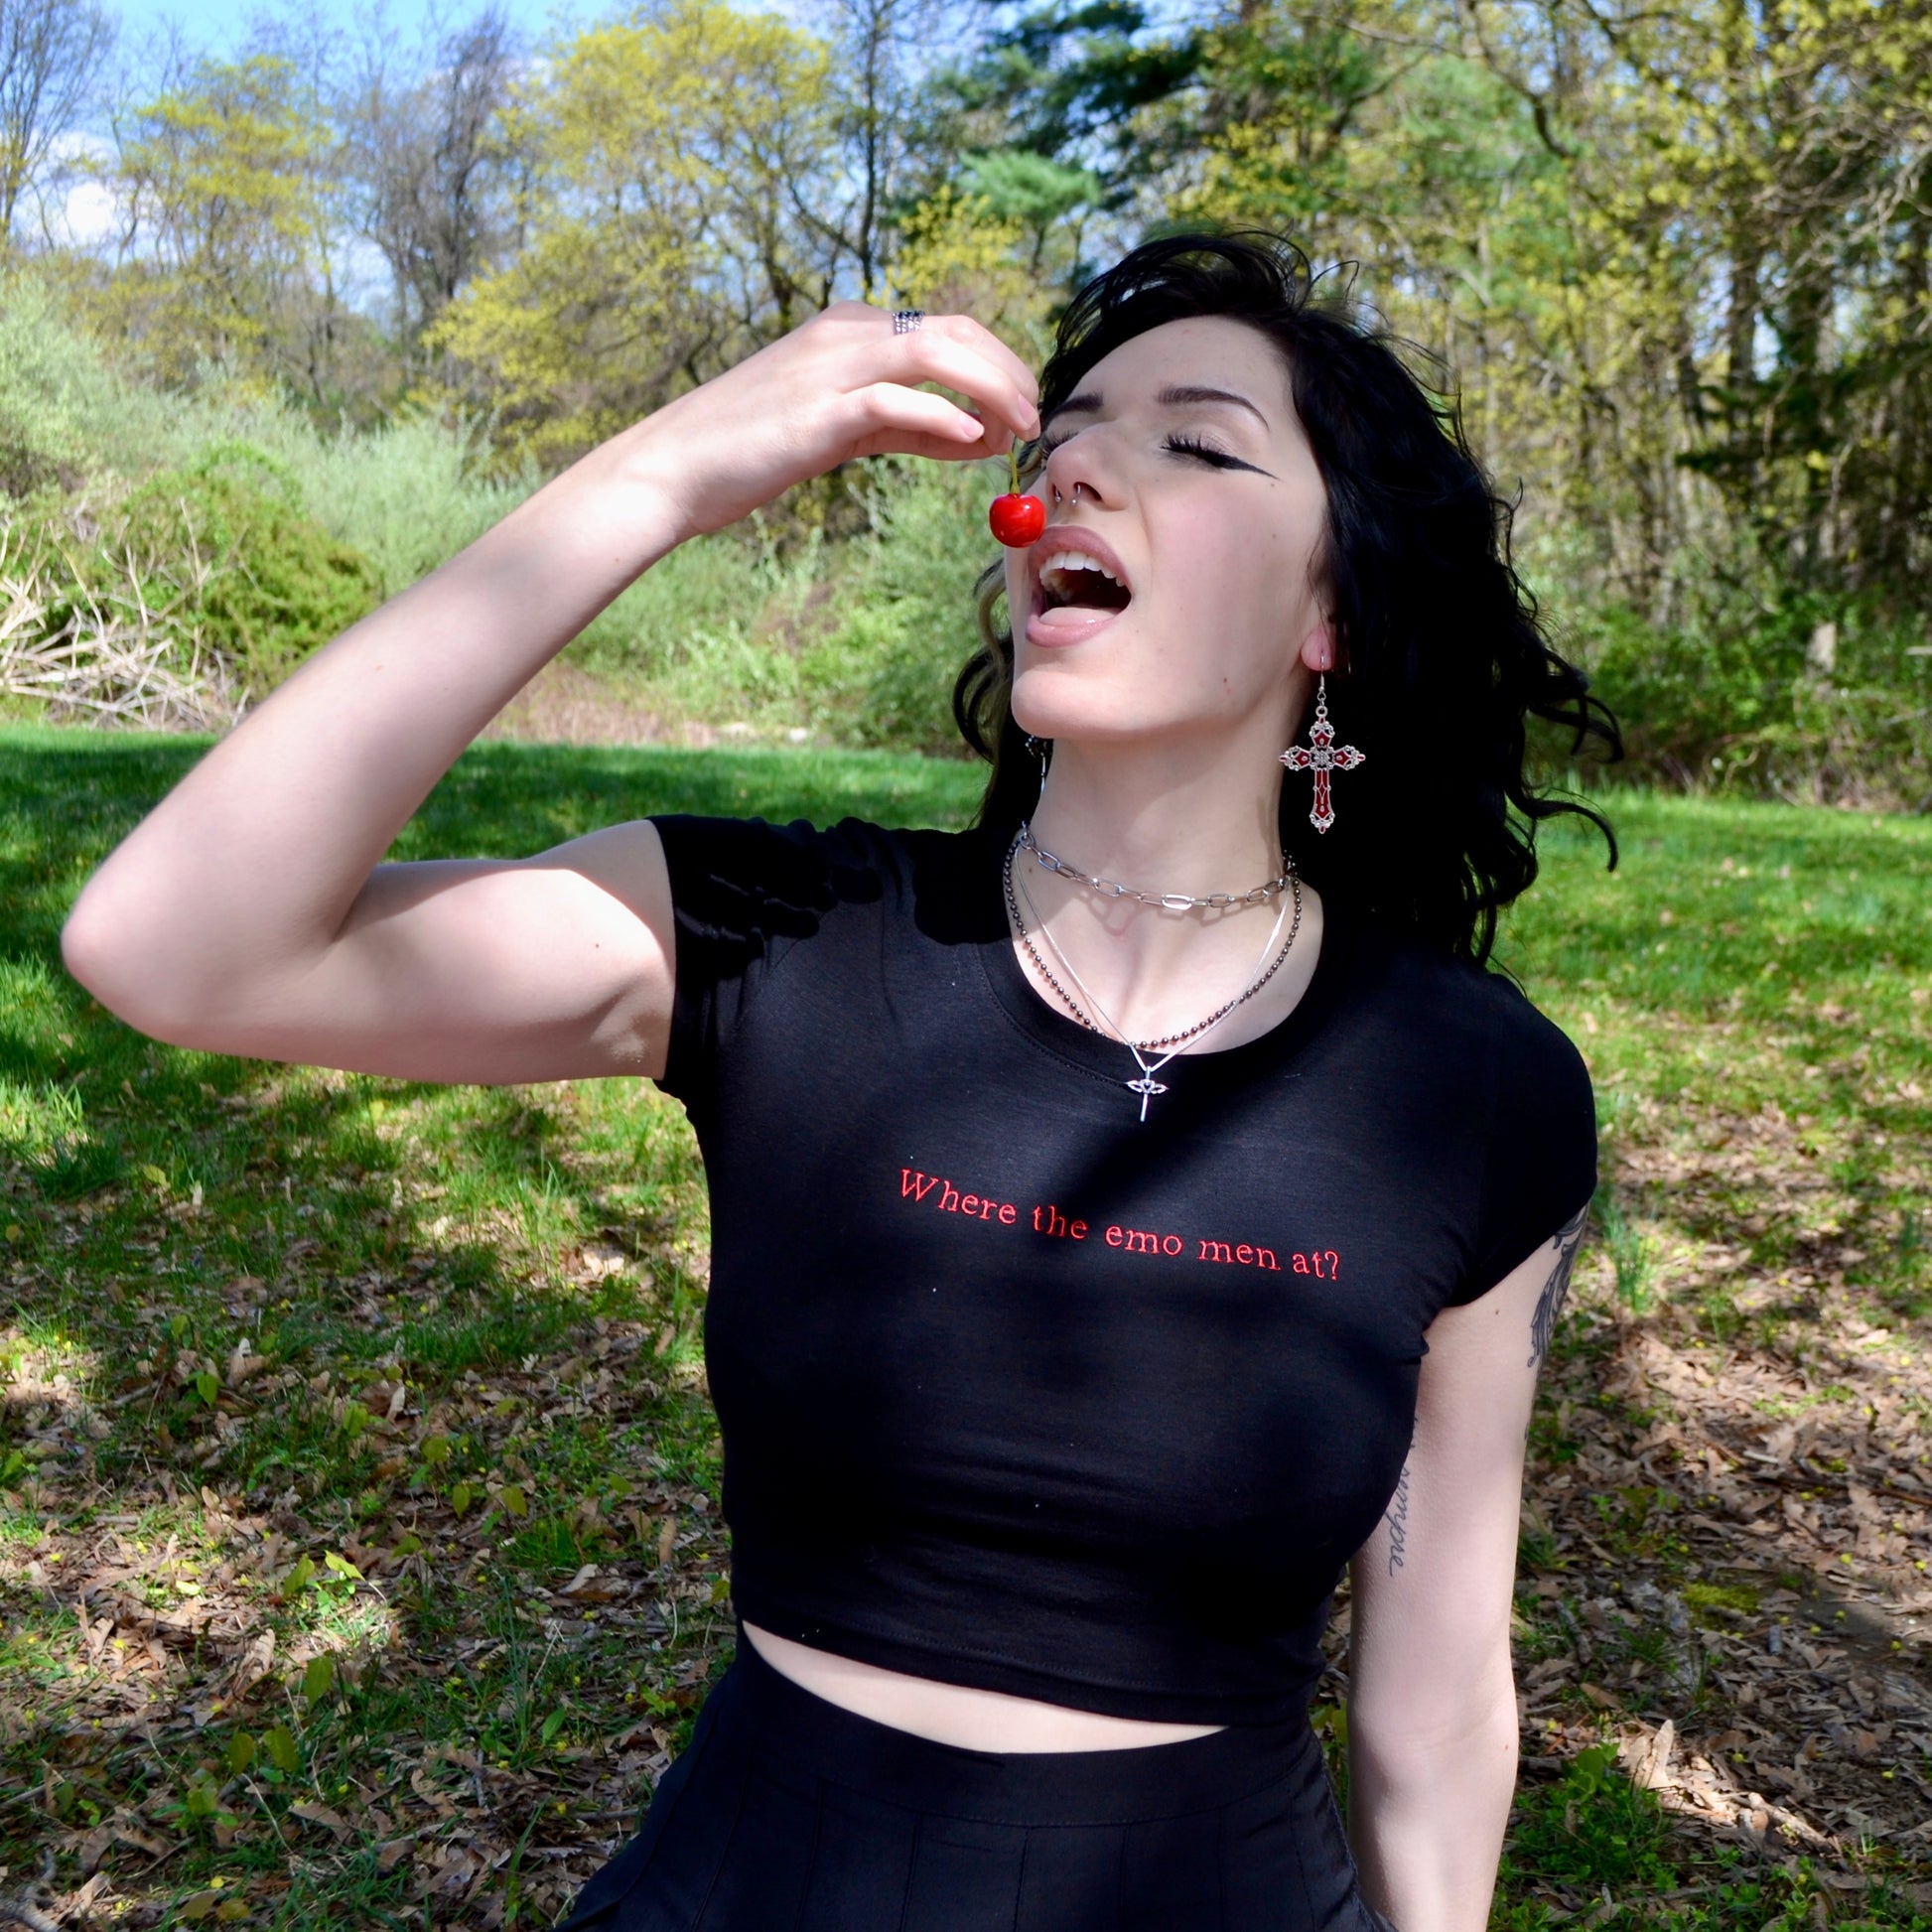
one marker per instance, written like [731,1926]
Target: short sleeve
[1540,1165]
[743,892]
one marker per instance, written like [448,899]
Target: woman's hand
[839,387]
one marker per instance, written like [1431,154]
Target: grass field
[360,1552]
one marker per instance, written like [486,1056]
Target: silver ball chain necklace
[1145,1084]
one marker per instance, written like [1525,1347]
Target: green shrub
[1738,697]
[708,602]
[860,640]
[1739,681]
[68,418]
[408,495]
[884,674]
[50,393]
[265,584]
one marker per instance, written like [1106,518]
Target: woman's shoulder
[1459,1002]
[722,862]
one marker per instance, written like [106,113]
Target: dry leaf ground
[359,1553]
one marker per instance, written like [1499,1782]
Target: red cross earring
[1322,755]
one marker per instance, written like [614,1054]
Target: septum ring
[905,321]
[1075,498]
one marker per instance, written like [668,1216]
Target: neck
[1181,823]
[1169,825]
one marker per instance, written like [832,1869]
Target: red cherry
[1017,520]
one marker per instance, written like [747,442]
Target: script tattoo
[1549,1305]
[1397,1518]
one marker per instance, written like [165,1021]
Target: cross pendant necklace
[1146,1085]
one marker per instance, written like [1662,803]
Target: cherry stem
[1012,469]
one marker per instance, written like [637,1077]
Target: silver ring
[905,320]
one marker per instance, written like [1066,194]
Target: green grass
[221,1272]
[1752,965]
[378,1371]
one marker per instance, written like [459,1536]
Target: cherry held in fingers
[1015,520]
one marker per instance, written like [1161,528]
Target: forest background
[287,322]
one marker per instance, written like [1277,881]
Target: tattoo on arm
[1549,1305]
[1397,1518]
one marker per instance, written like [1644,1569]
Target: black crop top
[1017,1390]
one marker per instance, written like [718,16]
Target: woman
[1088,1187]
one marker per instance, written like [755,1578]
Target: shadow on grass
[358,1539]
[359,1544]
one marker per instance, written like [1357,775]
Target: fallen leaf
[331,1822]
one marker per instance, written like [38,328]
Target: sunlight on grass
[304,1365]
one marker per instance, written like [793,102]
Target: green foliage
[407,494]
[1800,696]
[884,674]
[858,641]
[1028,187]
[51,389]
[274,585]
[228,517]
[1071,82]
[1632,1251]
[712,632]
[671,152]
[227,168]
[1599,1828]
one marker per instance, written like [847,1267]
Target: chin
[1052,700]
[1060,699]
[1088,718]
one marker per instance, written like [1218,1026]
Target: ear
[1319,647]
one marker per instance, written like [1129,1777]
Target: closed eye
[1175,443]
[1204,452]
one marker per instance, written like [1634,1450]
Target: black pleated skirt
[790,1814]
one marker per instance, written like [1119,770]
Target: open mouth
[1070,580]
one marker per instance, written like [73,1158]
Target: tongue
[1069,617]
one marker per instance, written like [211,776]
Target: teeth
[1077,560]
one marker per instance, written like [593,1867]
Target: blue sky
[221,25]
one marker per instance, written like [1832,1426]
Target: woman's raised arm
[250,914]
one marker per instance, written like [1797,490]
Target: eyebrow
[1177,396]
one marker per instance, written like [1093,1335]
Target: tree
[874,117]
[50,53]
[1751,177]
[1077,82]
[669,156]
[223,184]
[435,167]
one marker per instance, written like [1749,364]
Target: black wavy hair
[1442,657]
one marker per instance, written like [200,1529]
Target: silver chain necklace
[1145,1084]
[1167,901]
